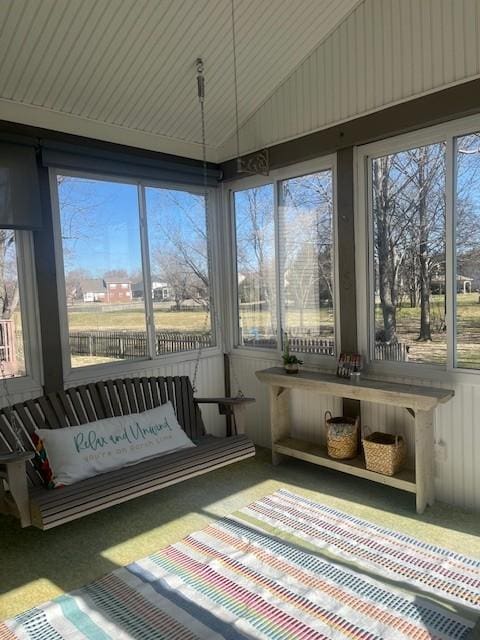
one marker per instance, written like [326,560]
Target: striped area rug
[283,568]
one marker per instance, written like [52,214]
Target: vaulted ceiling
[124,70]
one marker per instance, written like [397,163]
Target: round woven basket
[342,436]
[384,453]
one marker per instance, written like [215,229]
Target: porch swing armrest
[229,407]
[14,456]
[16,500]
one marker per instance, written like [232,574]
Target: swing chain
[201,100]
[216,323]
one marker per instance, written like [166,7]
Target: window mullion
[450,253]
[147,278]
[370,252]
[278,266]
[233,308]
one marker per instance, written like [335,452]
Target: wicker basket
[342,436]
[384,453]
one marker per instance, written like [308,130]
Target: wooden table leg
[424,471]
[279,418]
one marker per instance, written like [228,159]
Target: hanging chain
[201,100]
[10,413]
[213,310]
[235,85]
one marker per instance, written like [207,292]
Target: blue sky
[100,227]
[100,223]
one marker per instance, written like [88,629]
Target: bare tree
[385,246]
[180,247]
[73,283]
[256,254]
[9,293]
[409,214]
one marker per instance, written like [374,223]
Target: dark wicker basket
[342,436]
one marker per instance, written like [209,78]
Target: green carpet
[37,565]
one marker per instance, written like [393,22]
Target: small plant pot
[291,368]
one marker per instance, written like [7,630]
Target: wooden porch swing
[35,505]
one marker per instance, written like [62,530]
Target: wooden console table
[419,401]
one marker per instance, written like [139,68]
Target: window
[256,286]
[177,228]
[12,354]
[111,259]
[422,247]
[467,249]
[409,287]
[284,235]
[100,231]
[306,261]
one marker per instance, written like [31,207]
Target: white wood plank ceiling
[124,70]
[385,52]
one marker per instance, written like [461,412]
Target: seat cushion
[51,508]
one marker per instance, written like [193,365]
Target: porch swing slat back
[95,401]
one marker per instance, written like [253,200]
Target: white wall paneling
[384,52]
[16,395]
[457,441]
[307,409]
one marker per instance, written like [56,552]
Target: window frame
[32,381]
[73,374]
[446,133]
[275,177]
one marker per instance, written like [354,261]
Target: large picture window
[408,211]
[284,234]
[306,261]
[256,284]
[423,248]
[136,270]
[177,229]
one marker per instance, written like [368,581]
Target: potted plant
[290,361]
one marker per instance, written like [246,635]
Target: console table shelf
[316,453]
[418,400]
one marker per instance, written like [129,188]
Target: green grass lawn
[134,318]
[468,331]
[408,324]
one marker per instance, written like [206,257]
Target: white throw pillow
[76,453]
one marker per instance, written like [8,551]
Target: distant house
[464,284]
[160,290]
[118,290]
[93,290]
